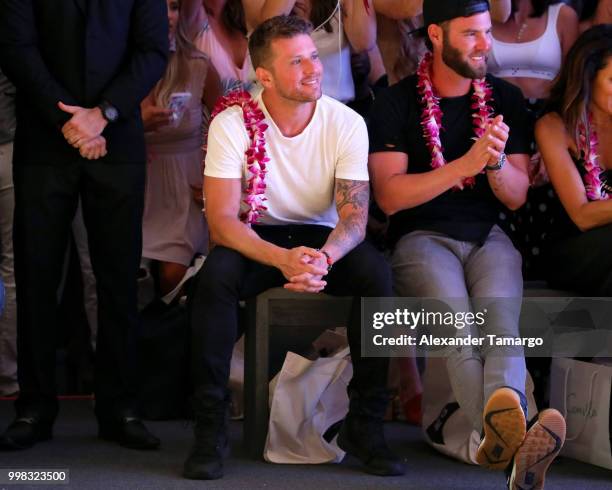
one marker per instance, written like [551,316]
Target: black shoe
[24,432]
[211,446]
[129,432]
[363,437]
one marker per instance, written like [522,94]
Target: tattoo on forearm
[352,201]
[355,193]
[496,182]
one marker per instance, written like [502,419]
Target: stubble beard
[299,96]
[454,60]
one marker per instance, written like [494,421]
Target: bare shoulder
[552,135]
[567,15]
[551,125]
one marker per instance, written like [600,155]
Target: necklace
[431,117]
[521,30]
[255,154]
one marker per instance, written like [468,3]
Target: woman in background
[174,228]
[528,49]
[223,39]
[339,25]
[575,139]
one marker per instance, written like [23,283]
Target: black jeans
[46,198]
[582,262]
[227,276]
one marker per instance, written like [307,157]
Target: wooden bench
[279,307]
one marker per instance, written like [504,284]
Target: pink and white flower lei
[256,158]
[587,147]
[431,118]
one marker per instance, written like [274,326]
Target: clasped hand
[84,130]
[304,268]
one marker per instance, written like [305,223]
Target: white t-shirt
[301,173]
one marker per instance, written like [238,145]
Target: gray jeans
[431,264]
[8,319]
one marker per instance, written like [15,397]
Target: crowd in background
[364,47]
[361,54]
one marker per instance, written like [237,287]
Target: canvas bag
[306,399]
[581,392]
[445,425]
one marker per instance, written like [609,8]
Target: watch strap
[109,111]
[501,161]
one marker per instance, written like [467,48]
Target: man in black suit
[81,68]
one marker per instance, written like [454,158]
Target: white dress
[174,228]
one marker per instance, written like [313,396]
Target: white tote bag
[445,425]
[581,392]
[306,398]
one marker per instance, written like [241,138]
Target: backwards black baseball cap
[437,11]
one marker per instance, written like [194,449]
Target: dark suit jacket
[81,52]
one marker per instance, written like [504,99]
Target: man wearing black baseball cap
[448,156]
[440,11]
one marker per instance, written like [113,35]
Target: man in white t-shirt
[308,237]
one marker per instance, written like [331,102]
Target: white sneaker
[542,443]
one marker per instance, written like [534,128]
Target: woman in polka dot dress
[575,139]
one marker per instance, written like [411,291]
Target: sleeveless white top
[540,58]
[335,55]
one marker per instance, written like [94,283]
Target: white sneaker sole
[542,444]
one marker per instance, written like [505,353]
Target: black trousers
[46,198]
[582,262]
[227,276]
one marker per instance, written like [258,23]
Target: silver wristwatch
[501,161]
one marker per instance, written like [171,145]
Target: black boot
[362,434]
[211,446]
